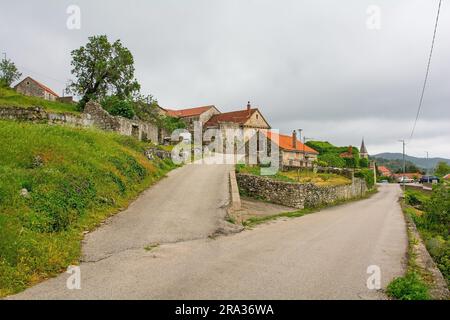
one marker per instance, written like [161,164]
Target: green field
[75,178]
[10,98]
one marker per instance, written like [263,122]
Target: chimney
[294,139]
[248,106]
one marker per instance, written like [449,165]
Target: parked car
[428,179]
[405,180]
[384,181]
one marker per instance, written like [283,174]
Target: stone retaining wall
[297,195]
[93,115]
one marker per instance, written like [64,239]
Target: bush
[332,160]
[367,175]
[118,107]
[438,210]
[409,287]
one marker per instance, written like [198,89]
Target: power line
[427,72]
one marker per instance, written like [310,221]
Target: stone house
[190,115]
[249,120]
[384,171]
[293,153]
[31,87]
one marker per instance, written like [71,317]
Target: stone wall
[93,115]
[298,195]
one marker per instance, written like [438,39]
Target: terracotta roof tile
[190,112]
[239,117]
[285,143]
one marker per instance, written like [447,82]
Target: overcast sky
[306,64]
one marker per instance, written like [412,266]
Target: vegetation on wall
[56,182]
[331,154]
[430,212]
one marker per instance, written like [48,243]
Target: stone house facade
[250,120]
[31,87]
[293,153]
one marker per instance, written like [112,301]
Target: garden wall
[298,195]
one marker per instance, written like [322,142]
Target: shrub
[409,287]
[332,160]
[367,175]
[118,107]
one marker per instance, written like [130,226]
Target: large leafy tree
[102,68]
[8,73]
[442,169]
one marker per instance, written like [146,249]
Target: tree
[363,163]
[118,107]
[332,160]
[102,68]
[442,169]
[8,73]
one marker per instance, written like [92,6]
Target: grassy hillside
[10,98]
[75,179]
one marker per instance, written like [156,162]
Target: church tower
[363,151]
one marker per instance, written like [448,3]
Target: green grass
[319,179]
[414,285]
[408,287]
[75,178]
[151,246]
[10,98]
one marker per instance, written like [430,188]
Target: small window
[257,116]
[28,82]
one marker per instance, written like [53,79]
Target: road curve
[324,255]
[188,204]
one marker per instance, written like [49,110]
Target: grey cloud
[309,64]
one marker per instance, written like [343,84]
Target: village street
[324,255]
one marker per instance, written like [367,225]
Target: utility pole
[404,164]
[428,171]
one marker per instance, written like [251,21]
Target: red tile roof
[191,112]
[285,143]
[447,177]
[384,169]
[239,117]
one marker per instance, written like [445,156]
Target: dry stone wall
[93,116]
[298,195]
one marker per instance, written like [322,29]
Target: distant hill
[420,162]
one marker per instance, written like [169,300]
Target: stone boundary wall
[298,195]
[93,116]
[234,190]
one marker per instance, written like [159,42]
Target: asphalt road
[324,255]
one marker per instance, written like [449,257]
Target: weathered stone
[297,195]
[93,115]
[24,193]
